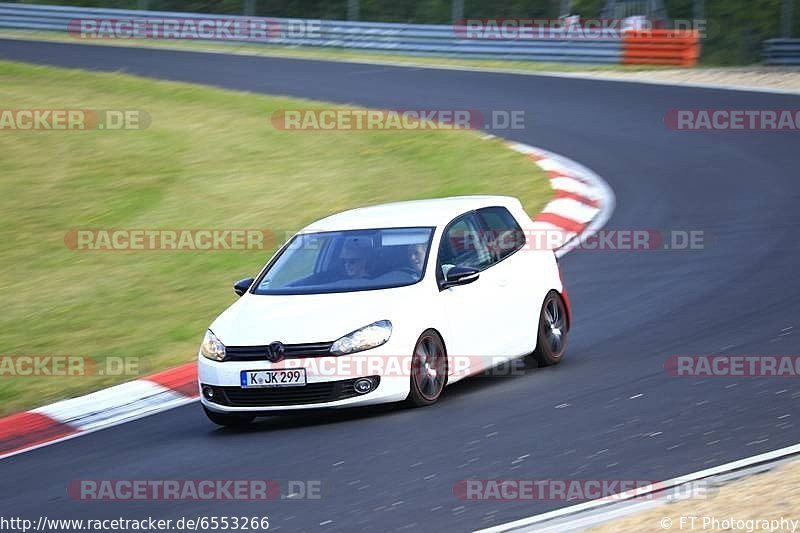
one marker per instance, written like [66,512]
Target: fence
[607,46]
[782,52]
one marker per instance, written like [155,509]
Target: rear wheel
[428,370]
[228,419]
[551,342]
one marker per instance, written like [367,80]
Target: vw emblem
[275,352]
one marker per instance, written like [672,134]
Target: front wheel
[228,419]
[428,370]
[551,341]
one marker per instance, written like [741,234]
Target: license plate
[295,377]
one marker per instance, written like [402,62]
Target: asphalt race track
[610,411]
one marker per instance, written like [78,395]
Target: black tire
[551,341]
[428,372]
[228,419]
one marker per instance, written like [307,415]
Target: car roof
[415,213]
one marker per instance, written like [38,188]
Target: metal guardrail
[410,39]
[781,52]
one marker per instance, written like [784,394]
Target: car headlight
[362,339]
[212,348]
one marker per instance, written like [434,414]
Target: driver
[354,256]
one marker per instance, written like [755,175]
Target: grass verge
[210,159]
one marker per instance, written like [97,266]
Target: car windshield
[343,261]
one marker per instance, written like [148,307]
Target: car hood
[257,320]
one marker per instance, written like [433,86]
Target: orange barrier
[661,47]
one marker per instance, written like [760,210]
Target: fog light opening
[208,392]
[363,386]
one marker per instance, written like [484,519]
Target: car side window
[504,235]
[463,245]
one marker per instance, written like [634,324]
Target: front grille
[328,391]
[291,351]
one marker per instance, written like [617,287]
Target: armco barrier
[661,47]
[782,52]
[411,39]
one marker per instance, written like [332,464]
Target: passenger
[416,256]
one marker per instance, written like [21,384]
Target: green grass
[209,159]
[333,54]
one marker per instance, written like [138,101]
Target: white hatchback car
[383,304]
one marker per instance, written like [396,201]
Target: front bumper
[329,383]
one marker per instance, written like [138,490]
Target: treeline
[734,28]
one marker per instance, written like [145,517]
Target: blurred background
[735,29]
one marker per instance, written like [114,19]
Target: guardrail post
[249,8]
[699,10]
[458,11]
[786,18]
[141,5]
[352,10]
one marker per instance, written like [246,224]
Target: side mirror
[241,286]
[459,275]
